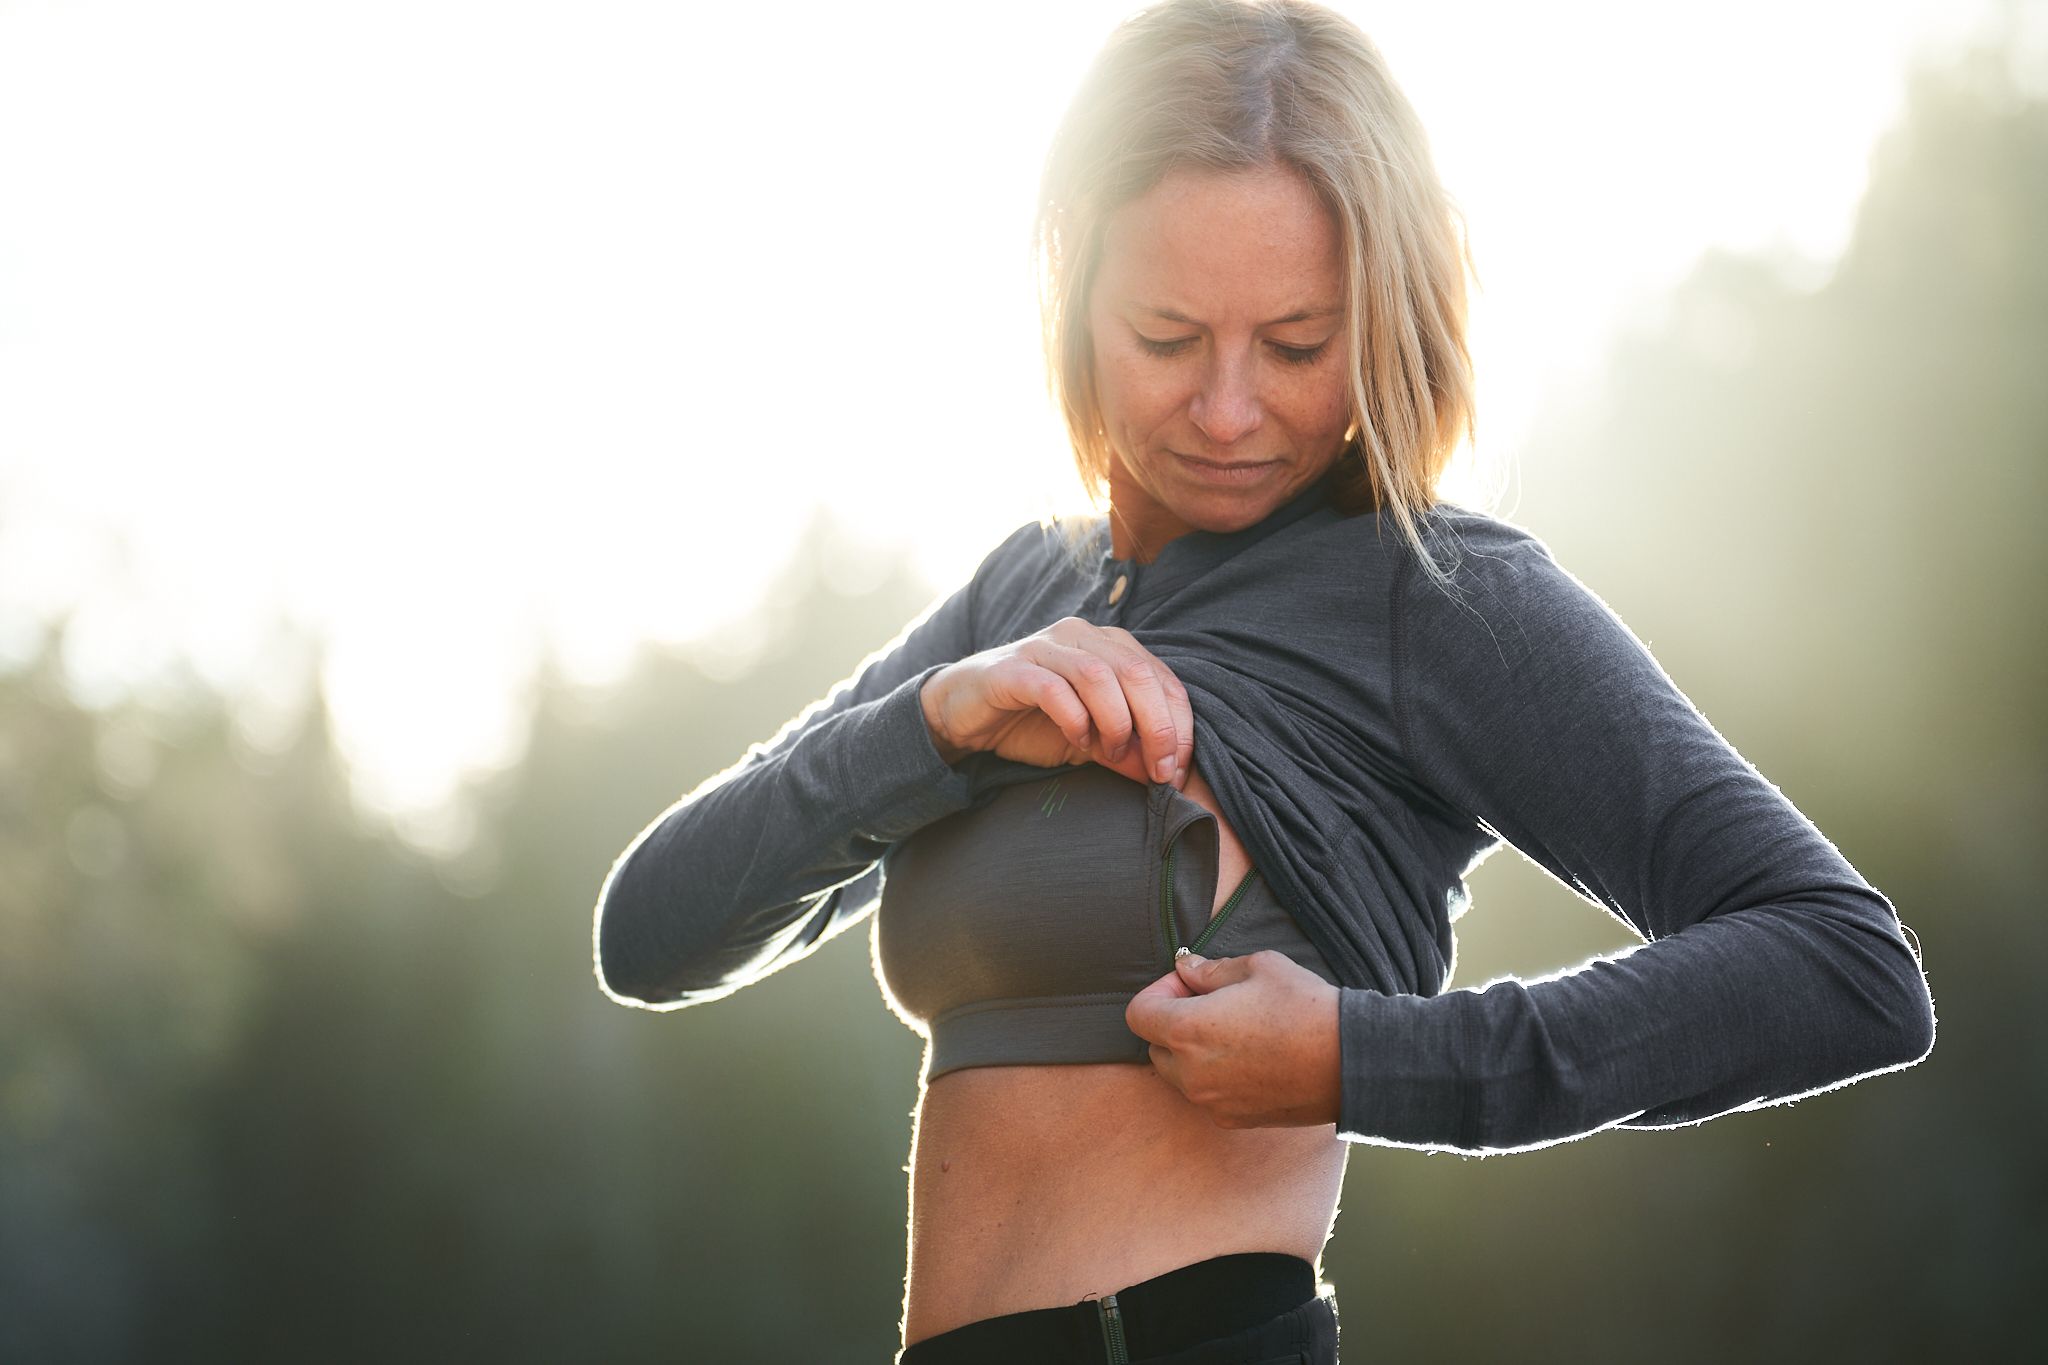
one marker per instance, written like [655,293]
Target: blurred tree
[440,1139]
[148,858]
[1818,506]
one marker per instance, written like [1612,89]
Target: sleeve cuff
[912,784]
[1403,1075]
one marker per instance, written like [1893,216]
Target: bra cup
[1018,930]
[1039,893]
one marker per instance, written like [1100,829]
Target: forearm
[762,864]
[1752,1007]
[1771,968]
[770,858]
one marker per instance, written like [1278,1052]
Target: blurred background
[434,436]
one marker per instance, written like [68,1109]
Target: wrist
[1330,1021]
[927,698]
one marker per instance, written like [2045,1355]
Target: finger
[1096,683]
[1150,1013]
[1205,974]
[1162,719]
[1167,1065]
[1024,683]
[1153,717]
[1161,713]
[1183,726]
[1167,987]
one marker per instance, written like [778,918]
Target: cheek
[1322,405]
[1133,393]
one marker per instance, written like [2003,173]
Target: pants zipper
[1112,1330]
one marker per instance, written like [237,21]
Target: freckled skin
[1230,256]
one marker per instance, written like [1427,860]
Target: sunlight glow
[456,331]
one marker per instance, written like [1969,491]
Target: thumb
[1197,971]
[1167,987]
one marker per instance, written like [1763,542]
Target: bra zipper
[1112,1320]
[1215,923]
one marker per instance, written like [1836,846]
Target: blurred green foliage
[275,1086]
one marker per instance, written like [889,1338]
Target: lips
[1224,464]
[1234,470]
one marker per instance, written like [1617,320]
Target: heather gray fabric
[1370,737]
[1018,931]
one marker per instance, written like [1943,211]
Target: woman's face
[1217,316]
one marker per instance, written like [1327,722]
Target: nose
[1226,408]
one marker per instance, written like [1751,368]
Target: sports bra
[1018,930]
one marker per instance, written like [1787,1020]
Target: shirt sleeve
[764,862]
[1770,969]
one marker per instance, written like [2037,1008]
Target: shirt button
[1116,589]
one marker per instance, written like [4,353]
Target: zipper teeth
[1113,1330]
[1216,922]
[1171,929]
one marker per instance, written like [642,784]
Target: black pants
[1253,1308]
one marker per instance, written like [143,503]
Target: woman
[1273,707]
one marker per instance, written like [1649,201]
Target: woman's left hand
[1252,1040]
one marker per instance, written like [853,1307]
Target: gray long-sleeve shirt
[1370,736]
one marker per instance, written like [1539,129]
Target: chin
[1201,505]
[1230,509]
[1232,515]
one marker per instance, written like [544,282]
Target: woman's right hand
[1074,692]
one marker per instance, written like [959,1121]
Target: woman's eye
[1300,355]
[1292,355]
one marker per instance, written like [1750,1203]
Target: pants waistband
[1170,1312]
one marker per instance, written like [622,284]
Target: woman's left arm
[1771,968]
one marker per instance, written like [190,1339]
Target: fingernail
[1167,767]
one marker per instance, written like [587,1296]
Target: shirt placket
[1114,590]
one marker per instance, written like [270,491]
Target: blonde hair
[1235,84]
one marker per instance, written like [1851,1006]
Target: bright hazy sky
[448,327]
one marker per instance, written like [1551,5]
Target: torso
[1039,1186]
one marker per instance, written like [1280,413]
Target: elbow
[1913,1016]
[1899,996]
[647,951]
[1865,1008]
[624,955]
[621,973]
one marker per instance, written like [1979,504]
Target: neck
[1139,527]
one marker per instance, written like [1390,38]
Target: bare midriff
[1041,1186]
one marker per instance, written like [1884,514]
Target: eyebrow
[1303,315]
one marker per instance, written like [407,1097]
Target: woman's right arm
[767,860]
[775,855]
